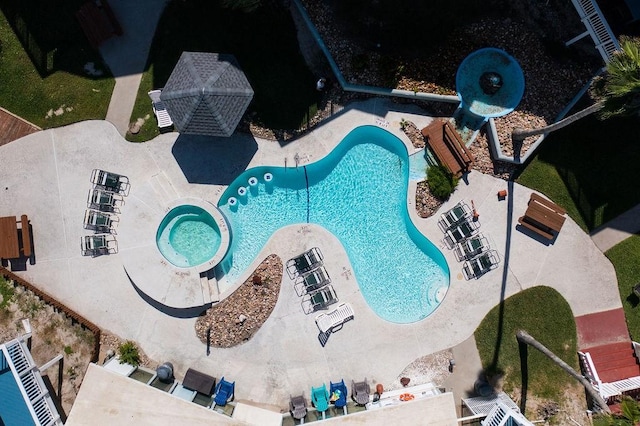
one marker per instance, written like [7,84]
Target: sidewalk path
[127,55]
[617,229]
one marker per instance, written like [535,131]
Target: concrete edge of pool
[168,287]
[187,291]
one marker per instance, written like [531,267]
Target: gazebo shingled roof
[207,94]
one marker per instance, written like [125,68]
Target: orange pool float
[406,397]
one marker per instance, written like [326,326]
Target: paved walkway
[127,54]
[617,229]
[284,356]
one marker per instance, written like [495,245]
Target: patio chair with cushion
[160,110]
[100,221]
[105,201]
[306,262]
[224,392]
[471,247]
[312,281]
[455,215]
[320,399]
[319,299]
[462,231]
[480,265]
[298,407]
[109,181]
[360,392]
[338,394]
[97,245]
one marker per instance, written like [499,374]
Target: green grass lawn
[545,315]
[625,258]
[589,168]
[67,88]
[263,41]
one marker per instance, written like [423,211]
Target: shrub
[128,353]
[441,182]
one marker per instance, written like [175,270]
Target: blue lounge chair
[320,398]
[338,393]
[224,392]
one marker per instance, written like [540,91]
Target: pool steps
[210,290]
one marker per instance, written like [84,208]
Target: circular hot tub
[191,236]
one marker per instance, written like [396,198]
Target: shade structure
[206,94]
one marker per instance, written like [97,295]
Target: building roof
[207,94]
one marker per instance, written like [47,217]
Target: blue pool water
[188,236]
[358,193]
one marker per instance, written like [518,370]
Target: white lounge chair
[159,110]
[336,318]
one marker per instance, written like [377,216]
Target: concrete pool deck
[49,180]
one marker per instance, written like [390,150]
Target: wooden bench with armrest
[448,146]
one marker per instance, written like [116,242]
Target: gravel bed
[239,316]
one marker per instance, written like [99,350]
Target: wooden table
[9,246]
[544,216]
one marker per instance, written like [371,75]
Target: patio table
[9,246]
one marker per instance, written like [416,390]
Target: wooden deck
[13,127]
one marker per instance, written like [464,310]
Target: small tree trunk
[519,134]
[524,337]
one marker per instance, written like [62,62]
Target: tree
[617,91]
[524,338]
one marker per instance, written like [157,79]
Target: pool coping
[221,222]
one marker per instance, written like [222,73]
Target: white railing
[29,381]
[597,28]
[590,372]
[606,390]
[501,415]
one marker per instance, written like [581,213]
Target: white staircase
[30,383]
[597,28]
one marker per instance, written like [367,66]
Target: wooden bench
[549,204]
[538,228]
[543,216]
[448,146]
[26,236]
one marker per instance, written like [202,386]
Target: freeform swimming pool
[357,192]
[188,236]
